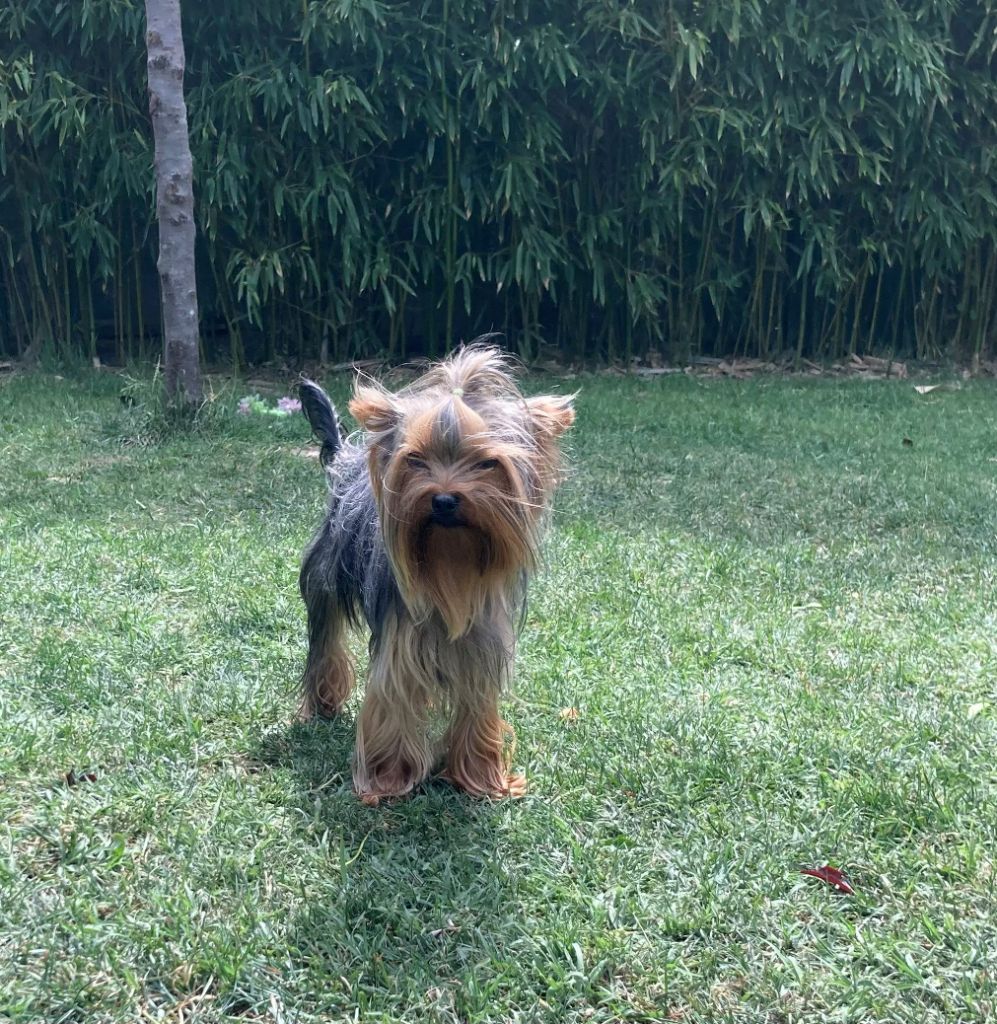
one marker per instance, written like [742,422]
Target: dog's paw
[495,786]
[515,786]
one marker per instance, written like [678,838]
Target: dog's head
[463,469]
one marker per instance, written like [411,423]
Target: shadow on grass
[400,899]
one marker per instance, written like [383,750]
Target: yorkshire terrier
[434,520]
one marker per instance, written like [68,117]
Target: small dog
[432,530]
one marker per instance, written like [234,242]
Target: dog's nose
[445,504]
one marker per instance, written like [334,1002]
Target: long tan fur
[460,469]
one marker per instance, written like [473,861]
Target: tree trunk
[174,201]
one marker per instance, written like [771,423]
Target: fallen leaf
[974,710]
[449,929]
[923,389]
[833,876]
[569,714]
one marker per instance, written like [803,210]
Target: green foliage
[610,177]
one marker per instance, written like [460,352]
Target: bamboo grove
[610,178]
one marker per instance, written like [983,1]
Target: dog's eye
[486,464]
[415,461]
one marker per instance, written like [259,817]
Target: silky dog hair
[433,527]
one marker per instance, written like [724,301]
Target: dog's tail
[321,414]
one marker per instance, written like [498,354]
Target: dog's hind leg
[328,677]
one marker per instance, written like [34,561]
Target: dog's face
[463,469]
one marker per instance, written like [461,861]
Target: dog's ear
[374,409]
[551,415]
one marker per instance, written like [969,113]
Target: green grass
[776,622]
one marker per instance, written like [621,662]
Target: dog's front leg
[479,743]
[393,751]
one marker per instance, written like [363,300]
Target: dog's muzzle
[445,510]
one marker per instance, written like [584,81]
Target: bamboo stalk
[17,321]
[988,304]
[769,329]
[84,282]
[870,341]
[450,224]
[898,308]
[140,313]
[801,332]
[964,298]
[20,321]
[857,312]
[119,310]
[704,251]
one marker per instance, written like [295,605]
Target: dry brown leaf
[74,778]
[569,714]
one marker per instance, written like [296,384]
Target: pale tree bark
[174,201]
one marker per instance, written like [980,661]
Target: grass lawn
[765,639]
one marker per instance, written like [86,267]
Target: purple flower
[288,405]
